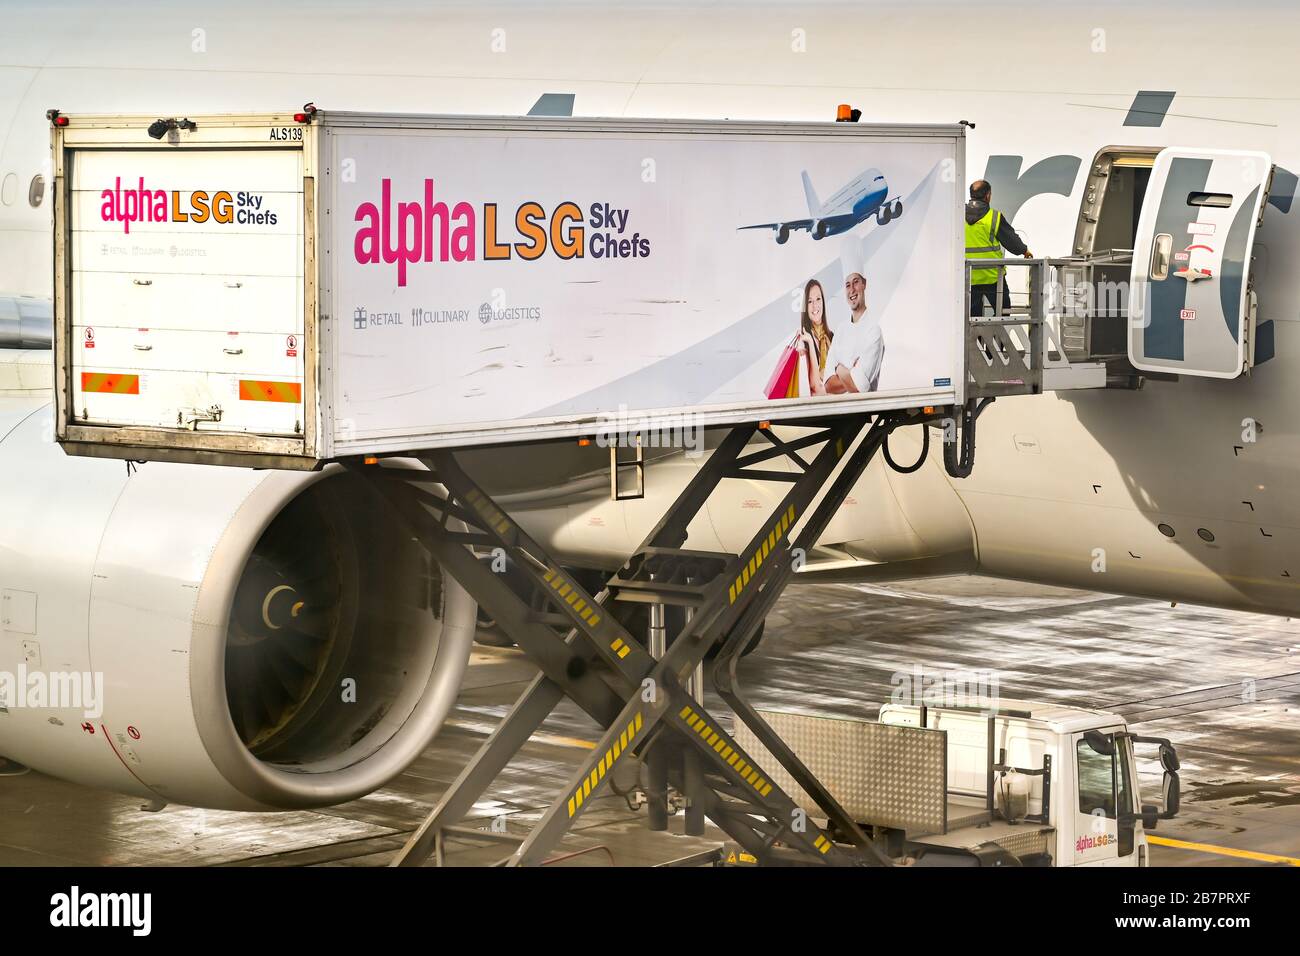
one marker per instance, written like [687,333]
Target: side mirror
[1169,758]
[1168,755]
[1172,791]
[1101,743]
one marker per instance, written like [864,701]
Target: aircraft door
[1191,306]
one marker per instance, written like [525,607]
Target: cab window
[1097,779]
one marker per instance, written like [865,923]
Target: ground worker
[987,233]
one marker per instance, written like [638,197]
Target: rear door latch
[192,417]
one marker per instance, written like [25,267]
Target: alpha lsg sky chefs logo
[428,230]
[142,204]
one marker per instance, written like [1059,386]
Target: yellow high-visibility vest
[982,243]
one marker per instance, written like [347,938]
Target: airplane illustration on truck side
[864,196]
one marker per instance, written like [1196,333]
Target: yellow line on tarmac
[554,739]
[564,741]
[1224,851]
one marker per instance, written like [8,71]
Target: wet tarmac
[1223,686]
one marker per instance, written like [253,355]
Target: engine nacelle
[267,640]
[26,322]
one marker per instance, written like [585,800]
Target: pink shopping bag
[778,386]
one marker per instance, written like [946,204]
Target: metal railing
[1049,331]
[1005,347]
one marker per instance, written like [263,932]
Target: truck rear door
[1191,306]
[186,288]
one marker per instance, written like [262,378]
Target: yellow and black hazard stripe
[737,763]
[724,750]
[565,589]
[769,544]
[568,592]
[760,554]
[488,511]
[604,764]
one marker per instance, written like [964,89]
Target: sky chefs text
[142,204]
[421,231]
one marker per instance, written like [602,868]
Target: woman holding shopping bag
[815,337]
[813,340]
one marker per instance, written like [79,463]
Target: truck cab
[1013,783]
[1080,763]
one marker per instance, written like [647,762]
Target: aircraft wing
[789,225]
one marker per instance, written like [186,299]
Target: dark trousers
[980,295]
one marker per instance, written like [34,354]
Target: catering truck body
[284,289]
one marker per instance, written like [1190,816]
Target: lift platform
[1035,342]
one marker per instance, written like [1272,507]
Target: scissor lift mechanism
[643,703]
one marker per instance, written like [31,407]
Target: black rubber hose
[925,450]
[961,462]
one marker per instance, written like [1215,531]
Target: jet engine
[266,640]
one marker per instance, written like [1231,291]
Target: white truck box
[260,290]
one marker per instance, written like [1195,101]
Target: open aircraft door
[1191,307]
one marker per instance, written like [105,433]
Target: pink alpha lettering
[132,205]
[410,238]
